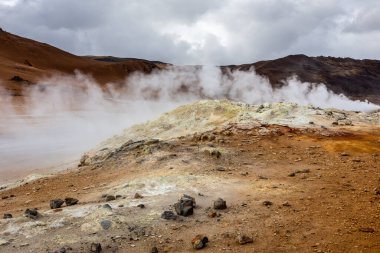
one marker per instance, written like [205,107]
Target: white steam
[66,115]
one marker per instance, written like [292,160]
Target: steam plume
[64,116]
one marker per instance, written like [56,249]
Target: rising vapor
[64,116]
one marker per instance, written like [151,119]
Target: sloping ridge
[30,60]
[357,79]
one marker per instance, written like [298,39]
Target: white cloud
[194,32]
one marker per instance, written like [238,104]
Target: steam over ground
[66,115]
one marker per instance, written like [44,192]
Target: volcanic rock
[71,201]
[267,203]
[199,242]
[244,239]
[185,205]
[367,230]
[96,247]
[7,216]
[220,204]
[110,198]
[106,224]
[56,203]
[31,213]
[168,215]
[138,196]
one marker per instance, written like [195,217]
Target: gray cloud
[192,32]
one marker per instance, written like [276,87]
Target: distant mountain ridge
[354,78]
[24,61]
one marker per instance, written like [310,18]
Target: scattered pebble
[220,204]
[7,216]
[185,205]
[110,198]
[56,203]
[244,239]
[107,206]
[31,213]
[106,224]
[367,230]
[138,196]
[199,242]
[71,201]
[267,203]
[168,215]
[96,247]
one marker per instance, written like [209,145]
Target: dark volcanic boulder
[220,204]
[185,205]
[71,201]
[56,203]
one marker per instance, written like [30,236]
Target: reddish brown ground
[328,205]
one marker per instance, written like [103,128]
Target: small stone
[141,206]
[168,215]
[154,250]
[220,168]
[62,250]
[216,153]
[118,196]
[31,213]
[293,174]
[110,198]
[377,191]
[212,214]
[3,242]
[367,230]
[107,206]
[71,201]
[138,196]
[56,203]
[286,204]
[106,224]
[199,242]
[344,154]
[220,204]
[267,203]
[244,239]
[7,216]
[185,205]
[96,247]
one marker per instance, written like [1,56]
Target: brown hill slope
[359,79]
[24,61]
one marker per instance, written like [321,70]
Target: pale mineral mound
[209,115]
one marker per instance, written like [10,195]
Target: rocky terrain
[215,175]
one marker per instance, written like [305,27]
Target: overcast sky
[200,31]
